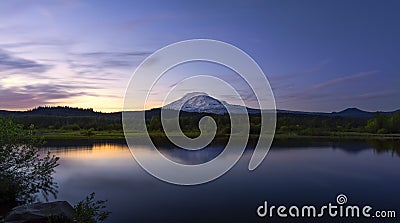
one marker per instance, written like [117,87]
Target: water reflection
[294,172]
[383,146]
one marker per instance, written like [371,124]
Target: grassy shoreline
[100,135]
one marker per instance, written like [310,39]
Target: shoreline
[105,135]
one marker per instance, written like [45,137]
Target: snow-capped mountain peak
[202,102]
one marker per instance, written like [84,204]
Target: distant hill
[64,111]
[358,113]
[4,112]
[354,113]
[346,113]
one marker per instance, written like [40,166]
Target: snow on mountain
[202,102]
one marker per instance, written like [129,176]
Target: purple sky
[318,55]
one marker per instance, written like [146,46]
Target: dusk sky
[317,55]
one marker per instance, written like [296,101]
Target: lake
[293,173]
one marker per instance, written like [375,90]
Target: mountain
[354,113]
[358,113]
[203,103]
[197,102]
[346,113]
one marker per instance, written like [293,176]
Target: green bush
[91,211]
[88,210]
[87,132]
[73,127]
[23,171]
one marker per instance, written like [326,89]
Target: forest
[75,119]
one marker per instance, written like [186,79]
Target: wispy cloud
[36,95]
[285,82]
[300,74]
[36,43]
[372,95]
[105,64]
[72,78]
[10,62]
[327,91]
[105,59]
[339,80]
[108,55]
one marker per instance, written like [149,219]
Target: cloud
[10,62]
[344,79]
[48,42]
[373,95]
[105,65]
[9,99]
[283,82]
[114,54]
[35,95]
[104,59]
[48,88]
[308,71]
[333,95]
[305,96]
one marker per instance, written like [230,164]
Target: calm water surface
[294,173]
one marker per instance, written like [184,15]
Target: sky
[318,55]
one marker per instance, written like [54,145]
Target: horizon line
[117,111]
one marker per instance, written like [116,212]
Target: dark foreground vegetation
[25,172]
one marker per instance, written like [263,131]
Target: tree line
[302,124]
